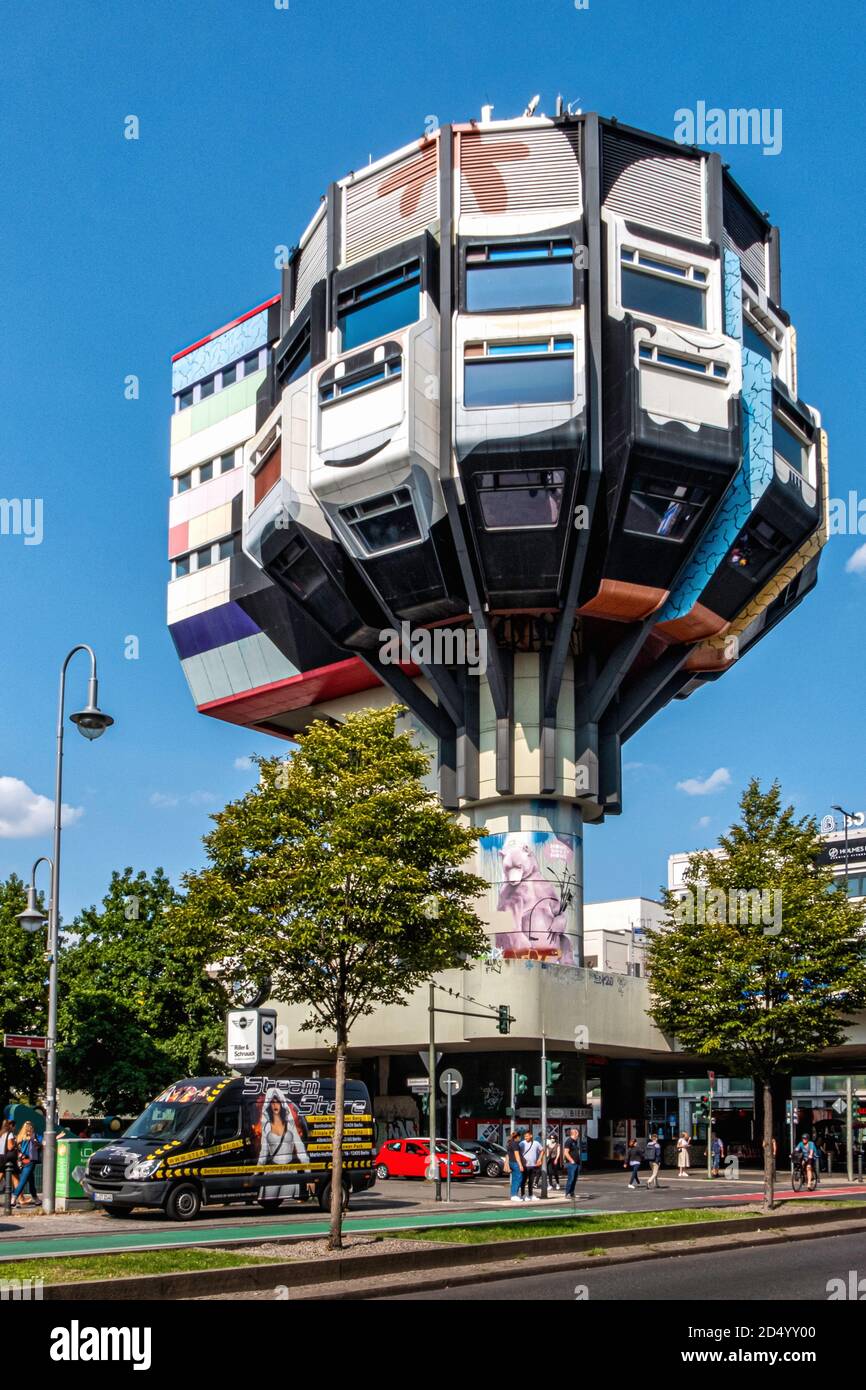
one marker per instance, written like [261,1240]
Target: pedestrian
[571,1154]
[717,1151]
[633,1162]
[532,1154]
[553,1156]
[515,1165]
[8,1155]
[683,1155]
[28,1148]
[653,1155]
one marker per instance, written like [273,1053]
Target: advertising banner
[533,894]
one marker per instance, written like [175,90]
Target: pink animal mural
[538,902]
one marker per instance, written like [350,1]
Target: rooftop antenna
[559,104]
[530,110]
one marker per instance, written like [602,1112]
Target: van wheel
[117,1211]
[184,1202]
[270,1203]
[381,1172]
[325,1197]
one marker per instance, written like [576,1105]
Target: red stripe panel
[225,328]
[178,539]
[295,692]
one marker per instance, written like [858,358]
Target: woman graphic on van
[283,1135]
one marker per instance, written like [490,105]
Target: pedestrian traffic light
[552,1074]
[521,1083]
[504,1024]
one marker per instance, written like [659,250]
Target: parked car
[492,1157]
[408,1158]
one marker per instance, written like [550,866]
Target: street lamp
[91,722]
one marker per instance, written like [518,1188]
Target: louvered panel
[663,191]
[520,171]
[313,264]
[745,235]
[386,208]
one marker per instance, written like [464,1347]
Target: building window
[298,362]
[662,508]
[203,557]
[184,481]
[757,549]
[227,461]
[788,447]
[205,473]
[383,522]
[698,366]
[362,379]
[230,375]
[251,363]
[230,546]
[185,398]
[754,340]
[536,372]
[664,289]
[181,566]
[379,306]
[206,388]
[519,275]
[520,500]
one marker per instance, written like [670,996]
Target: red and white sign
[26,1042]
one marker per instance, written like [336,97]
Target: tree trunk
[335,1235]
[769,1162]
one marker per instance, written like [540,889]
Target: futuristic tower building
[530,380]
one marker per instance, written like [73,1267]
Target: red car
[408,1158]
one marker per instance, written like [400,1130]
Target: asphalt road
[799,1271]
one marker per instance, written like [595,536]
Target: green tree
[341,878]
[136,1008]
[759,984]
[23,994]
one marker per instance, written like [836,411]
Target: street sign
[450,1082]
[26,1042]
[419,1084]
[251,1038]
[840,1106]
[426,1061]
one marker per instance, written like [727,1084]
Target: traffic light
[552,1074]
[504,1024]
[521,1083]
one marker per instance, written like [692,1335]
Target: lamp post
[848,816]
[33,919]
[91,722]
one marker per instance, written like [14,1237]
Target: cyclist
[807,1154]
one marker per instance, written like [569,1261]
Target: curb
[350,1269]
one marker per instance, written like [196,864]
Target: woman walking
[28,1148]
[683,1156]
[633,1162]
[554,1159]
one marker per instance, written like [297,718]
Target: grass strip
[579,1225]
[126,1265]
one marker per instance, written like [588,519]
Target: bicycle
[799,1174]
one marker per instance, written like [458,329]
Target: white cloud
[201,798]
[242,764]
[704,822]
[716,782]
[856,563]
[24,812]
[163,799]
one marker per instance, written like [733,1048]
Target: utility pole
[513,1099]
[712,1076]
[544,1115]
[849,1132]
[433,1173]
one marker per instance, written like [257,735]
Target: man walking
[516,1165]
[717,1149]
[571,1152]
[532,1152]
[653,1156]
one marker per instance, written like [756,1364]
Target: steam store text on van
[212,1140]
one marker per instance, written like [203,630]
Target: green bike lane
[113,1242]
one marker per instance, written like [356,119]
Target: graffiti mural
[533,894]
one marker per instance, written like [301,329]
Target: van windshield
[167,1120]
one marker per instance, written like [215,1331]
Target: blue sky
[117,253]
